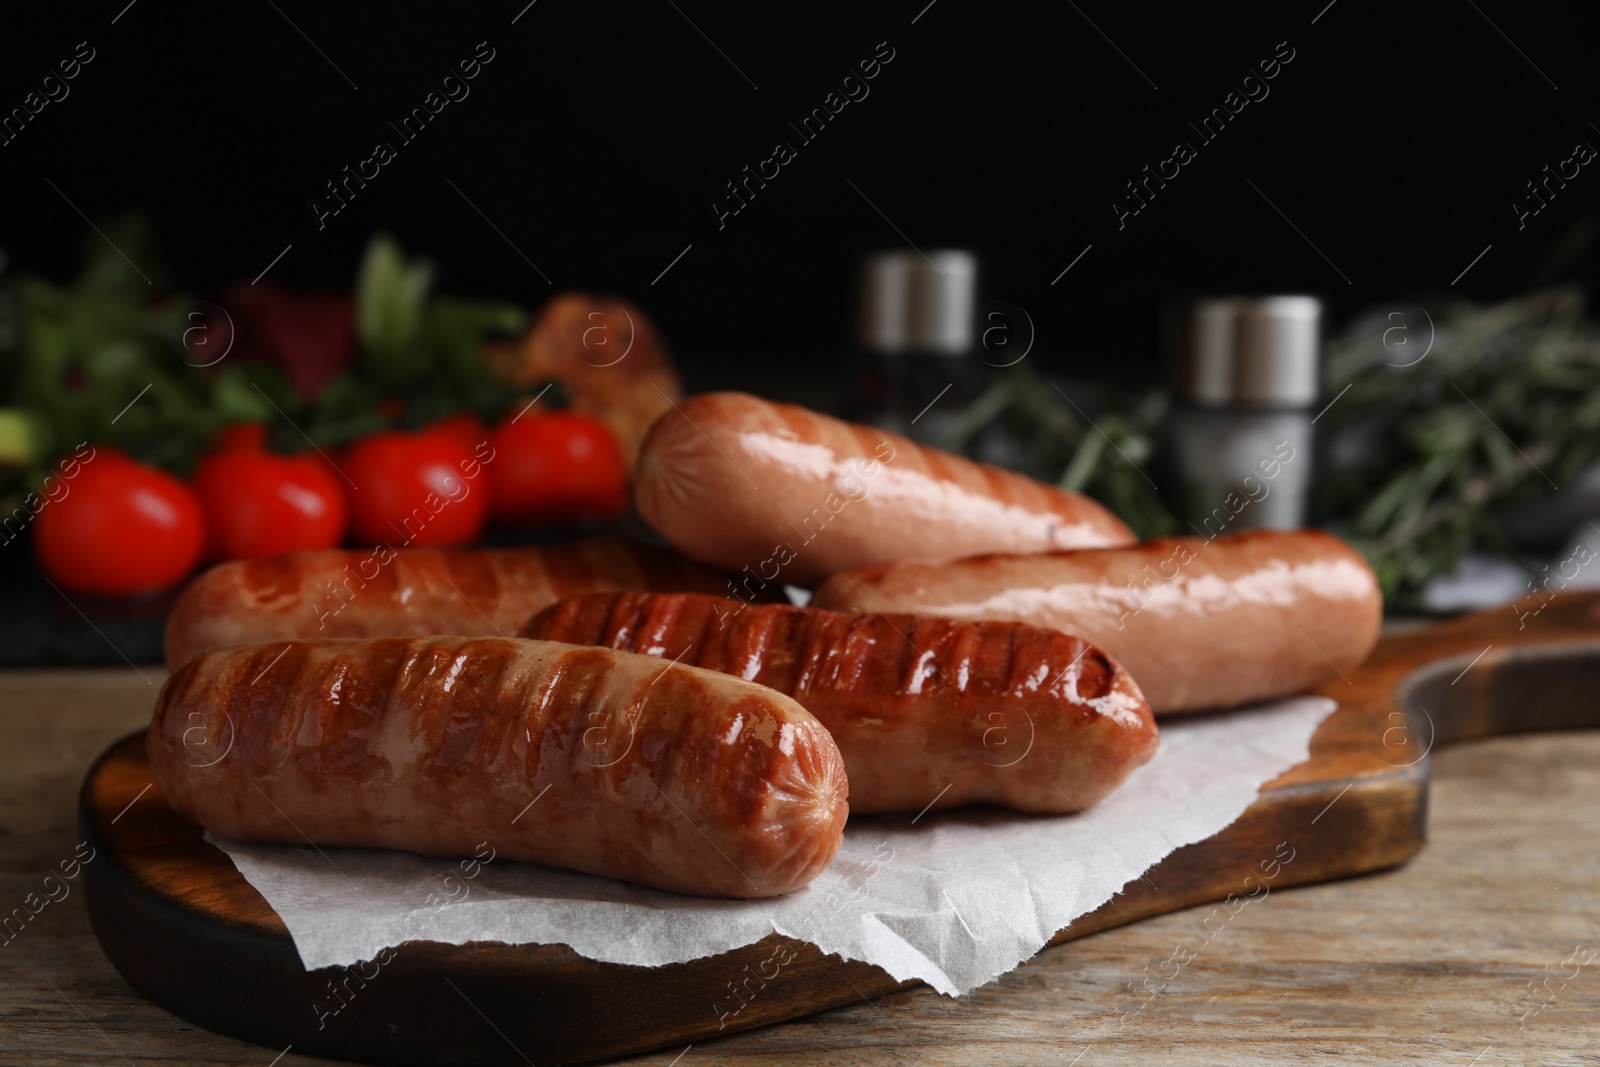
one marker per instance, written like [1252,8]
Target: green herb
[426,349]
[1418,459]
[86,351]
[1057,442]
[104,360]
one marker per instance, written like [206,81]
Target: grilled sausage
[927,712]
[387,592]
[586,758]
[1198,623]
[770,489]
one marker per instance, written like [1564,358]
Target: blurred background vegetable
[122,528]
[112,358]
[424,488]
[1426,456]
[258,503]
[298,417]
[561,467]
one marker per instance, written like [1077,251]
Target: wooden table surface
[1433,963]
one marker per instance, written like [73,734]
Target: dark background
[1395,140]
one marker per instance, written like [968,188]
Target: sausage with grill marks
[388,592]
[586,758]
[927,712]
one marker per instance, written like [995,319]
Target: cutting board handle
[1530,666]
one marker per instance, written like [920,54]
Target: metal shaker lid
[1249,351]
[912,302]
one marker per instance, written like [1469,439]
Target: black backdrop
[1394,142]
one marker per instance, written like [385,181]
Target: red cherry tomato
[261,504]
[122,528]
[416,489]
[558,467]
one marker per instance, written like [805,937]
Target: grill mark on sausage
[867,440]
[474,576]
[795,422]
[881,683]
[271,578]
[799,651]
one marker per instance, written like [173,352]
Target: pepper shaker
[914,341]
[1240,433]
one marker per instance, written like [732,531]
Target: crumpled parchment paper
[955,899]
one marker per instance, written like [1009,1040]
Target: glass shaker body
[1241,468]
[1240,434]
[915,371]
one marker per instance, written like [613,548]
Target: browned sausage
[1198,623]
[585,758]
[387,592]
[927,712]
[784,494]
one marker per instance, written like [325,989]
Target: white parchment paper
[955,899]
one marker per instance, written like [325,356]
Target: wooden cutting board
[186,929]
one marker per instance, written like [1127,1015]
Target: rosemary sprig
[1418,460]
[1056,443]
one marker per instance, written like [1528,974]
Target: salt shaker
[914,339]
[1240,432]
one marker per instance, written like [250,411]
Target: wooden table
[1431,963]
